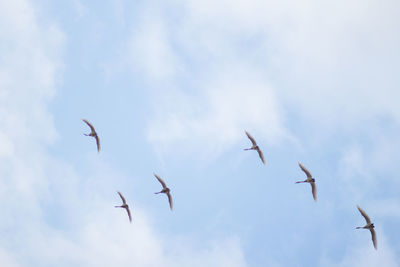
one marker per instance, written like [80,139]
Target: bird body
[93,134]
[124,206]
[367,226]
[370,226]
[309,180]
[255,147]
[165,190]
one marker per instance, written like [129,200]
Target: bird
[165,190]
[369,226]
[93,134]
[310,180]
[125,206]
[255,147]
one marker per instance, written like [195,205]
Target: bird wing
[90,125]
[261,155]
[373,235]
[122,197]
[97,142]
[367,219]
[253,141]
[314,190]
[305,170]
[171,205]
[129,214]
[160,180]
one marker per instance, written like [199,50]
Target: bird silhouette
[310,180]
[93,134]
[255,147]
[125,206]
[370,226]
[165,190]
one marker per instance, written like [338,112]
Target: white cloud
[333,64]
[29,61]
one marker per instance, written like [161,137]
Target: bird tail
[247,149]
[299,182]
[158,192]
[358,227]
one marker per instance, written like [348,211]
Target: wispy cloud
[212,107]
[215,117]
[151,53]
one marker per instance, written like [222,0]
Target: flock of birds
[165,190]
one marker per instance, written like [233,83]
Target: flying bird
[369,226]
[255,147]
[165,190]
[310,180]
[93,134]
[125,206]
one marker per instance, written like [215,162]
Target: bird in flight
[310,180]
[93,134]
[255,147]
[125,206]
[165,190]
[369,226]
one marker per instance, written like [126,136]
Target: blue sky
[170,88]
